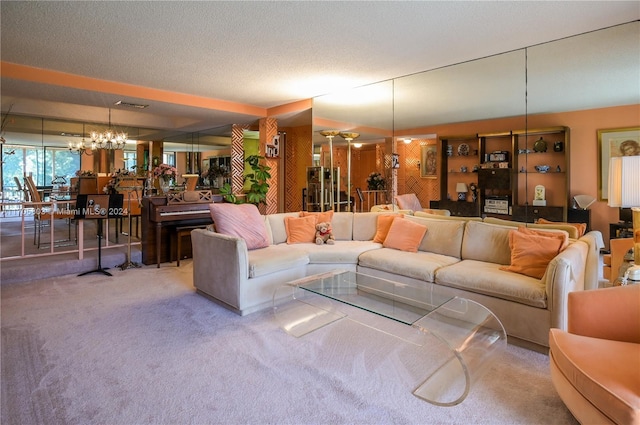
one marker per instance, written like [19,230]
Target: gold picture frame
[611,143]
[429,161]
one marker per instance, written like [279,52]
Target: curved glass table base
[472,334]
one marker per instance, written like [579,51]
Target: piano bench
[182,231]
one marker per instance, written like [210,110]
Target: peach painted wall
[583,146]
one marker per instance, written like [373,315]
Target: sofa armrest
[564,274]
[608,313]
[592,269]
[220,264]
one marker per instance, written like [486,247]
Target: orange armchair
[595,364]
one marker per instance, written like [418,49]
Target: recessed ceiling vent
[131,105]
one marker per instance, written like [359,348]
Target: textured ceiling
[258,54]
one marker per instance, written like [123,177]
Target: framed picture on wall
[429,161]
[611,143]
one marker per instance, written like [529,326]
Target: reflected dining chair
[47,213]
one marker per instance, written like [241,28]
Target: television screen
[626,215]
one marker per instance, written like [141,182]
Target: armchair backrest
[607,313]
[34,195]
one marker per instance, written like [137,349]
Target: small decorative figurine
[539,199]
[474,191]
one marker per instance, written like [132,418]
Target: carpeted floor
[142,347]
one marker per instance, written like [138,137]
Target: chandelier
[81,147]
[109,139]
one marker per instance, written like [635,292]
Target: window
[42,163]
[169,158]
[129,158]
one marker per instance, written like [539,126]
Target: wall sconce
[407,141]
[357,145]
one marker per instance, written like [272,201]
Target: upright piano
[159,221]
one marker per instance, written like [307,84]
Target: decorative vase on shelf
[165,184]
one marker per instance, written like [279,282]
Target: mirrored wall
[502,93]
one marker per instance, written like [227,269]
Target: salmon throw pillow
[531,254]
[300,229]
[405,235]
[560,235]
[382,227]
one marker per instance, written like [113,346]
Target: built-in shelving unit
[506,167]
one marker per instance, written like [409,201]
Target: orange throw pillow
[300,229]
[321,217]
[383,225]
[531,254]
[405,235]
[561,236]
[582,227]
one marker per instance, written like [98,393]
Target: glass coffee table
[472,334]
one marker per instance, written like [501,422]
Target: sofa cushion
[613,387]
[487,278]
[300,229]
[572,231]
[445,217]
[341,252]
[404,235]
[383,224]
[443,237]
[365,225]
[531,253]
[486,242]
[243,221]
[342,225]
[275,258]
[419,265]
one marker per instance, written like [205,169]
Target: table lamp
[624,192]
[461,188]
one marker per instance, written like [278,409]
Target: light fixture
[357,145]
[462,189]
[407,141]
[624,192]
[109,139]
[349,136]
[80,148]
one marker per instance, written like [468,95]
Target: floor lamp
[329,134]
[624,192]
[349,136]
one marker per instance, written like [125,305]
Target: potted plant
[375,181]
[216,175]
[258,188]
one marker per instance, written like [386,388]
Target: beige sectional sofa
[461,257]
